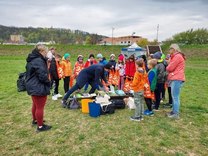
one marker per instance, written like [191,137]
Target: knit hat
[176,47]
[121,57]
[99,56]
[79,56]
[66,55]
[157,55]
[112,55]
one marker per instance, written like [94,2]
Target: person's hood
[35,54]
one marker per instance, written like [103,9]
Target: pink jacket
[176,67]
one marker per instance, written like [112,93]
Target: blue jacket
[92,75]
[37,81]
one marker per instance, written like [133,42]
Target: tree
[143,42]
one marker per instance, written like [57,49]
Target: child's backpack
[21,82]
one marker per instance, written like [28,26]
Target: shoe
[170,113]
[44,128]
[133,118]
[54,97]
[64,104]
[34,122]
[174,116]
[59,95]
[146,111]
[167,105]
[149,113]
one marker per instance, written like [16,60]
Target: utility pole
[112,34]
[157,32]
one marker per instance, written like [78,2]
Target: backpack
[73,104]
[21,82]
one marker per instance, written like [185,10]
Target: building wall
[17,38]
[125,40]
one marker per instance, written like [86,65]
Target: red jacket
[88,63]
[130,68]
[176,67]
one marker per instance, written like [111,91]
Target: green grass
[74,133]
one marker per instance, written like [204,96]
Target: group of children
[147,78]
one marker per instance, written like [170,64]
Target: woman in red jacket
[176,76]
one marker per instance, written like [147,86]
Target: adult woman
[176,75]
[38,84]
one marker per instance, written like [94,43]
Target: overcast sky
[96,16]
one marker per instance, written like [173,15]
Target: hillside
[59,35]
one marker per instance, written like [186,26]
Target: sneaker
[174,116]
[170,113]
[64,104]
[54,97]
[133,118]
[149,113]
[59,95]
[44,128]
[167,105]
[146,111]
[34,122]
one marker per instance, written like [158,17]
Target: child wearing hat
[161,78]
[79,65]
[67,70]
[101,59]
[120,66]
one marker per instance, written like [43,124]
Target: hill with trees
[59,35]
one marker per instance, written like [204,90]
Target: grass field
[74,133]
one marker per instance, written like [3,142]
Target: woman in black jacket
[38,84]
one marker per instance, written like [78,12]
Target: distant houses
[123,40]
[19,40]
[15,39]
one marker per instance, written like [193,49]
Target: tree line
[189,37]
[59,35]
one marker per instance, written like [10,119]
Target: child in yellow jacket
[138,87]
[67,70]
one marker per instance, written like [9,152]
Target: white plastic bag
[131,103]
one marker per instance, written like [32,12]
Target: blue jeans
[175,92]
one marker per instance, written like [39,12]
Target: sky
[108,17]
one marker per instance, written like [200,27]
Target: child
[101,59]
[169,104]
[152,78]
[79,65]
[138,87]
[130,67]
[55,74]
[161,78]
[120,66]
[67,69]
[89,62]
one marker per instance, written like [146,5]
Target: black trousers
[170,96]
[66,83]
[158,92]
[148,103]
[56,85]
